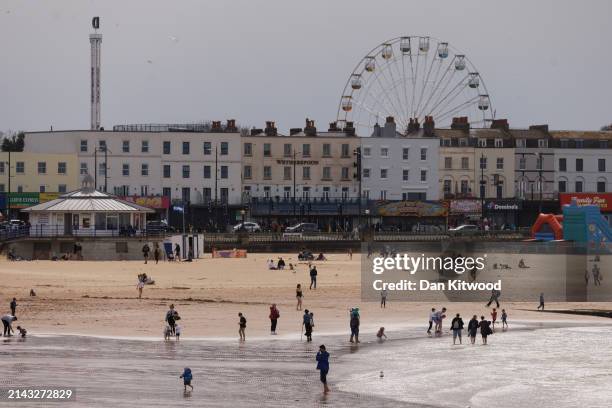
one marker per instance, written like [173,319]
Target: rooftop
[87,199]
[581,134]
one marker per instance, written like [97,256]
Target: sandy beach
[100,298]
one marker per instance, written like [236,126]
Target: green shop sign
[23,200]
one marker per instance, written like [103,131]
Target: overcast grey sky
[255,60]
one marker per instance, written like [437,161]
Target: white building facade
[186,166]
[583,170]
[396,167]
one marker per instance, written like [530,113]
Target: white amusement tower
[412,79]
[96,48]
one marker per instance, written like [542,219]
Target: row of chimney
[309,129]
[458,123]
[229,127]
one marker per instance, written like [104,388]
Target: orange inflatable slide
[548,227]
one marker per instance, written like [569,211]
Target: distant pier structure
[95,40]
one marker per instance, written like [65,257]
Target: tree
[607,127]
[13,143]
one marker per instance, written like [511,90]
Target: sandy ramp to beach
[100,298]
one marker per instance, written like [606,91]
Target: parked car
[158,227]
[303,227]
[248,226]
[16,224]
[465,229]
[388,228]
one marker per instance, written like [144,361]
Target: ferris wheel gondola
[410,78]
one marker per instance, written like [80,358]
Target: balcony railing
[535,195]
[56,231]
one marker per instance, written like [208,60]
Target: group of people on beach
[280,264]
[9,318]
[595,271]
[436,317]
[157,253]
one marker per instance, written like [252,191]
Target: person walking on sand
[145,252]
[354,324]
[493,318]
[473,329]
[13,305]
[495,294]
[156,253]
[586,277]
[299,295]
[187,377]
[431,319]
[485,329]
[323,366]
[313,277]
[596,275]
[7,322]
[383,298]
[242,326]
[457,326]
[307,324]
[140,286]
[350,254]
[177,252]
[541,301]
[504,319]
[274,315]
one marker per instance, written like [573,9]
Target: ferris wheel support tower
[95,40]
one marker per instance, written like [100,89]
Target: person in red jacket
[274,315]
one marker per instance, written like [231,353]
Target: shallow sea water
[551,367]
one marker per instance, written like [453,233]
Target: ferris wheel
[412,78]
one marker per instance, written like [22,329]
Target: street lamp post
[8,195]
[242,213]
[294,167]
[540,181]
[216,204]
[105,151]
[540,169]
[357,154]
[482,190]
[295,152]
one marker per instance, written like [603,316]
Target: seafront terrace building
[305,175]
[583,161]
[476,163]
[400,167]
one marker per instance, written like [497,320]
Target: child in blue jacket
[187,377]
